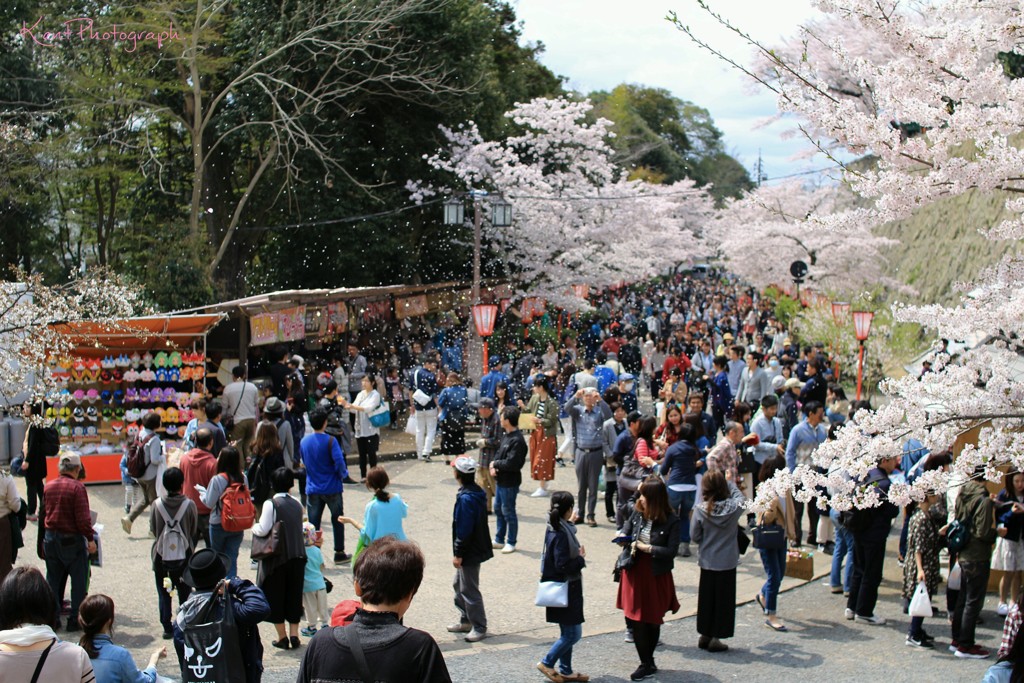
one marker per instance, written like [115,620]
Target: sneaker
[927,638]
[873,620]
[168,635]
[341,557]
[509,548]
[629,636]
[849,614]
[126,524]
[919,643]
[549,672]
[496,545]
[954,646]
[973,652]
[460,627]
[540,493]
[309,631]
[611,519]
[643,671]
[475,636]
[1003,609]
[836,590]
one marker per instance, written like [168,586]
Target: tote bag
[552,594]
[381,417]
[212,649]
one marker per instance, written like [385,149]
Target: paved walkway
[519,632]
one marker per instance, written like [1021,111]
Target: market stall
[118,373]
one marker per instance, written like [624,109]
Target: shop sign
[263,329]
[292,323]
[316,321]
[337,317]
[372,312]
[411,307]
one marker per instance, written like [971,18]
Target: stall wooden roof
[140,334]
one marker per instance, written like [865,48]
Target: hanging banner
[373,312]
[411,307]
[316,321]
[291,323]
[263,329]
[337,317]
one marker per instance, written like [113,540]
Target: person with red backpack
[145,455]
[231,507]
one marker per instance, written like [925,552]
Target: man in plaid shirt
[68,535]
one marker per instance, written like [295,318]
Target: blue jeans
[681,503]
[843,553]
[1000,672]
[774,561]
[505,511]
[561,651]
[164,598]
[227,542]
[66,558]
[315,503]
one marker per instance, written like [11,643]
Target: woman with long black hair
[563,561]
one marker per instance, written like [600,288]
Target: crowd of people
[677,400]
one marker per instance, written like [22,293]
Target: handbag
[769,537]
[421,397]
[212,649]
[921,603]
[552,594]
[228,421]
[742,540]
[266,547]
[381,417]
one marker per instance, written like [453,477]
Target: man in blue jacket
[491,379]
[471,546]
[326,469]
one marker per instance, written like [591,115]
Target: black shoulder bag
[351,638]
[42,660]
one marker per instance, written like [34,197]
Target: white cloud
[598,44]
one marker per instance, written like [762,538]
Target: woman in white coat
[367,436]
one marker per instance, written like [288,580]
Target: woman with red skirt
[646,588]
[544,440]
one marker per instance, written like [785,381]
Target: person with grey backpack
[174,523]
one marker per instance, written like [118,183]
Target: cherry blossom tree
[34,340]
[943,118]
[762,233]
[576,218]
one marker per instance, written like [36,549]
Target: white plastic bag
[954,578]
[410,425]
[921,604]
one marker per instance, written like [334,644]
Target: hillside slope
[940,245]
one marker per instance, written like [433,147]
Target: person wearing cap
[506,468]
[273,413]
[424,381]
[490,438]
[205,573]
[471,546]
[727,340]
[68,536]
[788,405]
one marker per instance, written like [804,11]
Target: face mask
[627,387]
[773,363]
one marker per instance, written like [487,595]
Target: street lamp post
[501,217]
[862,328]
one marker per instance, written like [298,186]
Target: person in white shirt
[241,402]
[367,436]
[754,382]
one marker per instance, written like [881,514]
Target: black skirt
[716,603]
[453,438]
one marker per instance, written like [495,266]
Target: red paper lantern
[862,324]
[581,291]
[484,316]
[840,312]
[505,303]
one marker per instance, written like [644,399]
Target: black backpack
[49,441]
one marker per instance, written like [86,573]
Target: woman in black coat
[563,560]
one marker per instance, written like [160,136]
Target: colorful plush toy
[160,360]
[117,427]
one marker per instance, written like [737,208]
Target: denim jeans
[227,542]
[315,503]
[164,597]
[66,558]
[774,562]
[843,554]
[681,503]
[561,651]
[505,511]
[1000,672]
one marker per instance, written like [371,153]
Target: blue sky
[598,44]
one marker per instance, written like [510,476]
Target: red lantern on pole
[484,317]
[505,303]
[581,291]
[840,312]
[862,328]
